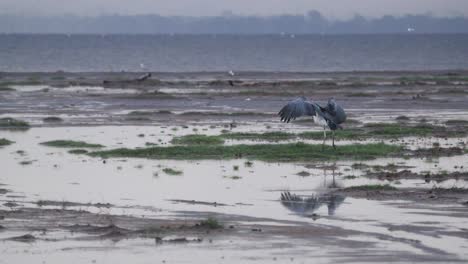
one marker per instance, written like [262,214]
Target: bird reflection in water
[306,205]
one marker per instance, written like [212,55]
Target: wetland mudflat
[160,199]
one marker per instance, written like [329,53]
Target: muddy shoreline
[401,206]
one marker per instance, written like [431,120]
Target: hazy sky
[330,8]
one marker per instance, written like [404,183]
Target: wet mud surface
[58,201]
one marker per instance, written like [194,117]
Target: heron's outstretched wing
[296,108]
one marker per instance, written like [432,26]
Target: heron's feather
[296,108]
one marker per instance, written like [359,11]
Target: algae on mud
[375,187]
[170,171]
[368,131]
[197,140]
[267,152]
[77,151]
[5,142]
[211,223]
[11,123]
[52,119]
[70,144]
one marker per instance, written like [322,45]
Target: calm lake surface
[187,53]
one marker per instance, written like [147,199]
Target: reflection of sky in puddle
[140,187]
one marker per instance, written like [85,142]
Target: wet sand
[54,204]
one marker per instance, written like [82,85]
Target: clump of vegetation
[235,177]
[303,174]
[397,130]
[6,89]
[371,187]
[211,223]
[52,119]
[361,94]
[140,113]
[78,151]
[70,144]
[197,140]
[402,118]
[349,177]
[171,171]
[457,122]
[11,123]
[5,142]
[359,166]
[269,136]
[267,152]
[26,162]
[248,163]
[235,167]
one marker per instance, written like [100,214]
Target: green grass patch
[267,152]
[398,130]
[11,123]
[278,136]
[371,187]
[5,142]
[370,130]
[70,144]
[197,140]
[171,171]
[268,136]
[78,151]
[211,223]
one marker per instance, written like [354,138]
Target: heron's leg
[324,138]
[333,137]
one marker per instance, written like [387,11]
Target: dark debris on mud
[407,174]
[28,238]
[434,195]
[84,225]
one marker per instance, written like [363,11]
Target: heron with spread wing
[329,117]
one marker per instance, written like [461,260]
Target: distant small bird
[231,82]
[331,116]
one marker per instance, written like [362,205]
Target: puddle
[140,187]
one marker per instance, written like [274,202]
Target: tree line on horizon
[311,23]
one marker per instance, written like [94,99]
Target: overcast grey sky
[331,8]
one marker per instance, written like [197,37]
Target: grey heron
[329,117]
